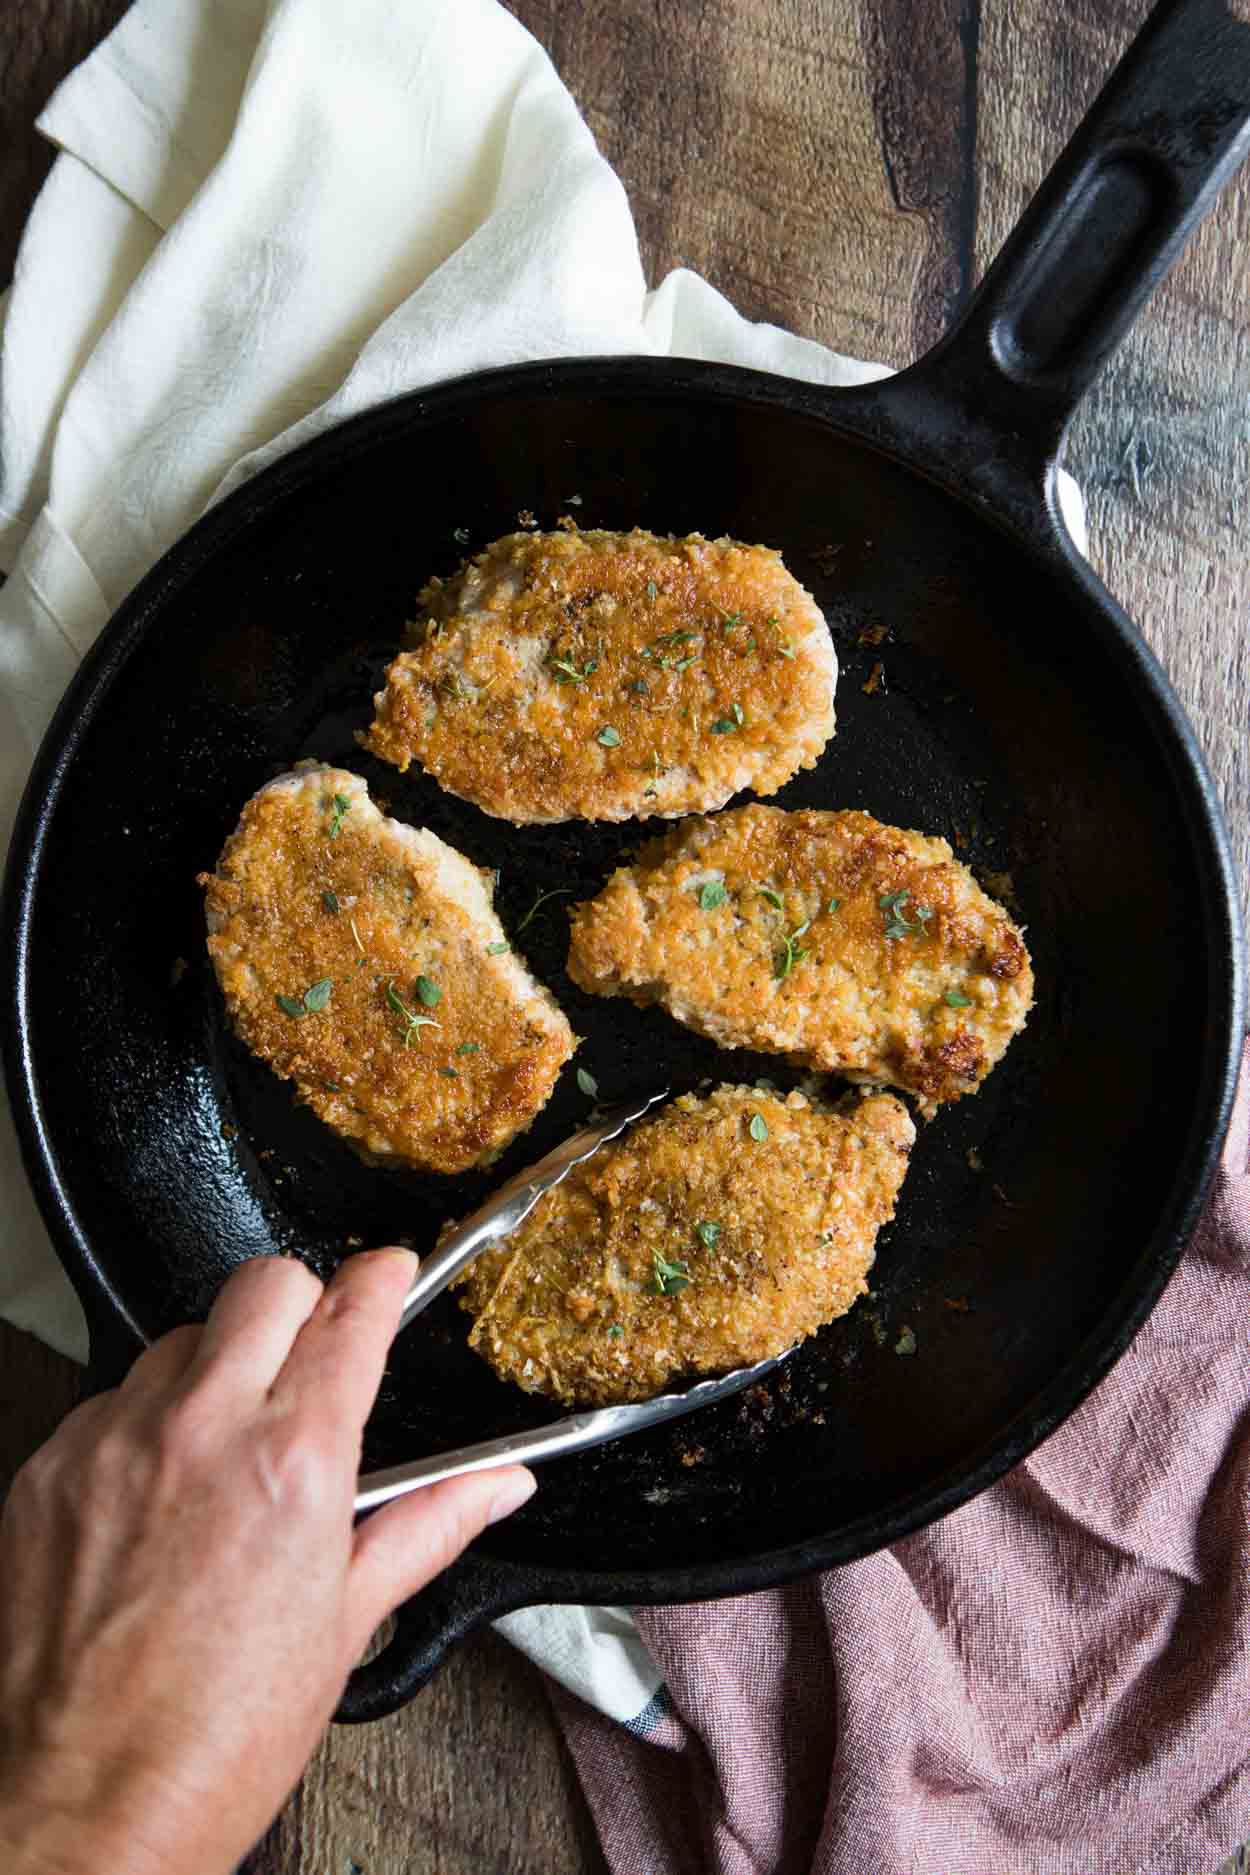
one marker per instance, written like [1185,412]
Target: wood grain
[845,168]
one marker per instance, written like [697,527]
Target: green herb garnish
[342,808]
[670,1278]
[460,535]
[906,1343]
[468,1048]
[730,620]
[898,924]
[833,905]
[311,1003]
[566,672]
[708,1233]
[726,725]
[957,999]
[791,952]
[712,895]
[495,950]
[561,891]
[450,1074]
[331,903]
[608,737]
[413,1023]
[758,1128]
[616,1332]
[774,898]
[652,590]
[638,686]
[429,992]
[683,664]
[588,1084]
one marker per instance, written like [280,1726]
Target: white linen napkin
[264,218]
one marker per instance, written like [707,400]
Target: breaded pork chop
[362,960]
[828,938]
[715,1234]
[599,676]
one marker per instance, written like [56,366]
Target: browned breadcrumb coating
[598,676]
[828,938]
[769,1205]
[322,902]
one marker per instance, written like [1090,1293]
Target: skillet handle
[1168,129]
[464,1598]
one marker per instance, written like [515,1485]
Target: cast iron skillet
[1021,715]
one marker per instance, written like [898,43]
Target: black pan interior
[1035,1216]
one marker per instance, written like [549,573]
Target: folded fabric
[264,219]
[1054,1680]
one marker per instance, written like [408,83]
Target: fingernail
[410,1257]
[515,1488]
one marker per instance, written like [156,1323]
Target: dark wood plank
[1160,444]
[40,40]
[813,158]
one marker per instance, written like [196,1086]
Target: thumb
[407,1543]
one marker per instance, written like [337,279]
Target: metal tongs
[498,1218]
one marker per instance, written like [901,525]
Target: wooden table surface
[846,168]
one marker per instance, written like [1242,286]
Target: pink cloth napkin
[1054,1680]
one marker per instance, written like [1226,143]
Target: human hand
[184,1592]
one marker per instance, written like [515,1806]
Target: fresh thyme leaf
[331,1087]
[588,1084]
[413,1023]
[899,925]
[737,714]
[429,992]
[957,999]
[460,535]
[561,891]
[331,903]
[670,1278]
[758,1128]
[608,737]
[290,1005]
[675,638]
[774,898]
[708,1233]
[730,620]
[468,1048]
[833,905]
[566,672]
[638,686]
[450,1074]
[791,952]
[495,950]
[786,650]
[724,726]
[712,895]
[342,808]
[652,590]
[318,994]
[616,1332]
[683,664]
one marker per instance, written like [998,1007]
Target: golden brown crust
[883,993]
[572,1305]
[306,894]
[598,676]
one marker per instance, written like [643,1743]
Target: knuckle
[186,1433]
[297,1474]
[280,1272]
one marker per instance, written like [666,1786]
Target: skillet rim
[1030,519]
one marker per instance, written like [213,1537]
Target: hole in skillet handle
[465,1597]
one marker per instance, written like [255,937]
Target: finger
[406,1544]
[163,1364]
[336,1364]
[253,1326]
